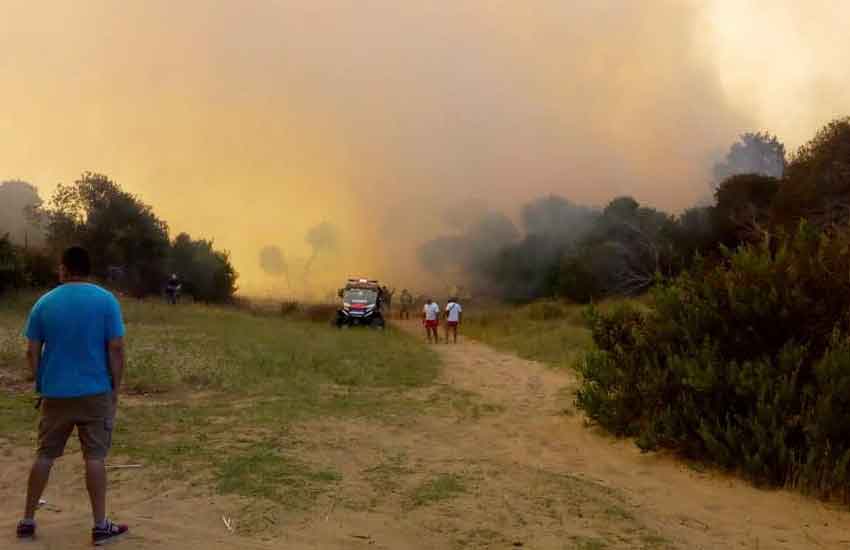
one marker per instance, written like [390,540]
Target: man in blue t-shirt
[76,353]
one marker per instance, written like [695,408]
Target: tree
[743,206]
[485,238]
[443,254]
[817,181]
[524,270]
[322,238]
[22,266]
[9,264]
[576,281]
[754,153]
[472,252]
[116,227]
[696,231]
[207,273]
[273,263]
[19,201]
[630,246]
[556,217]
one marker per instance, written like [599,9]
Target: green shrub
[745,363]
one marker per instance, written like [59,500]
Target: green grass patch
[589,543]
[17,417]
[202,347]
[262,471]
[438,489]
[13,309]
[550,332]
[214,391]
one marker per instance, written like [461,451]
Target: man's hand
[116,368]
[34,357]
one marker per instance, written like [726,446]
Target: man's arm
[116,365]
[34,356]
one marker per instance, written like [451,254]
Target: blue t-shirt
[75,321]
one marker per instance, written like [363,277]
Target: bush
[742,363]
[207,274]
[23,268]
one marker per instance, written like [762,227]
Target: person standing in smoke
[172,289]
[453,315]
[431,320]
[406,304]
[389,301]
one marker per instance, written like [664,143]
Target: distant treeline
[565,250]
[130,246]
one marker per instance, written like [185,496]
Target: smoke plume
[251,123]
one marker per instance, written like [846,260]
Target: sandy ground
[532,475]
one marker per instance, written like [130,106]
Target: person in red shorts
[430,317]
[453,316]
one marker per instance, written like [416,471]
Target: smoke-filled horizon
[393,122]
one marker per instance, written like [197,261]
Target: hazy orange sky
[250,121]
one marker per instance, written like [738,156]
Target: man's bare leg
[39,476]
[96,485]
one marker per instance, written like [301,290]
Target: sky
[251,122]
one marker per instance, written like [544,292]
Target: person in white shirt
[431,319]
[453,315]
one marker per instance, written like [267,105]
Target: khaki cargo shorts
[93,417]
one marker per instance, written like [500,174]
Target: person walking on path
[76,354]
[430,317]
[454,312]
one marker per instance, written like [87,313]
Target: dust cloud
[253,123]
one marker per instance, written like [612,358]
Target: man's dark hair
[77,262]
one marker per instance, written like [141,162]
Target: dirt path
[498,460]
